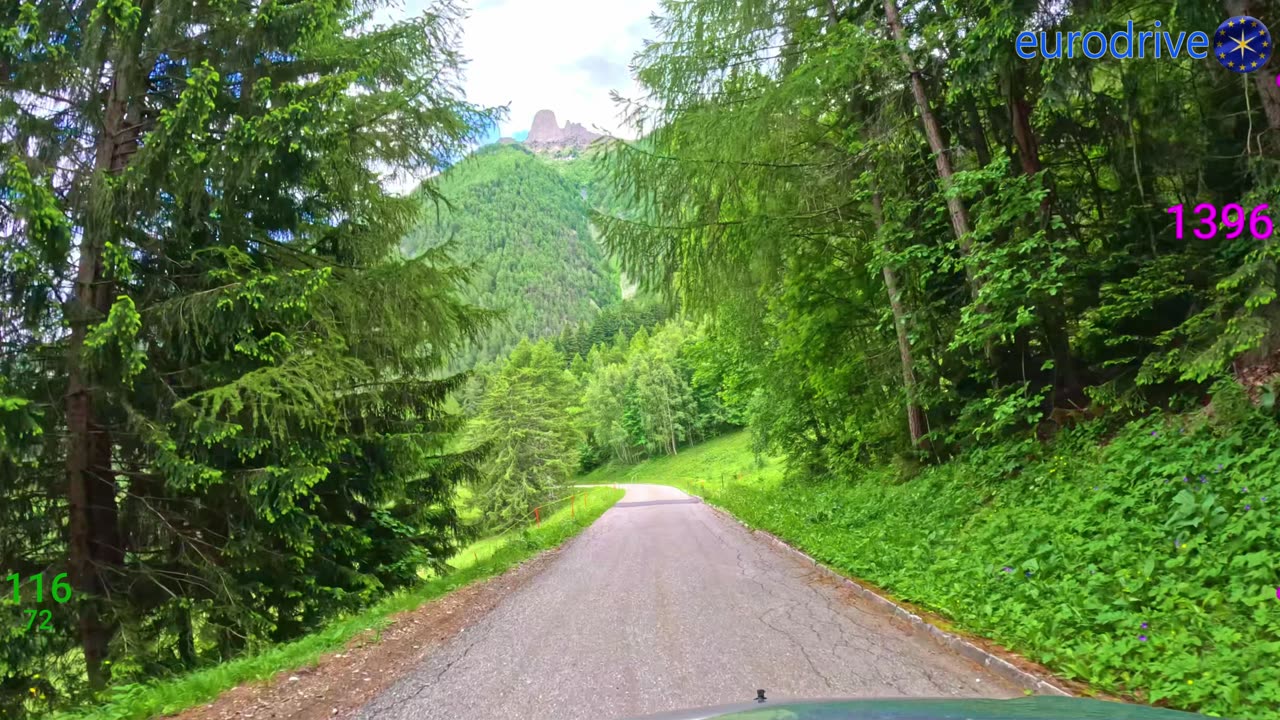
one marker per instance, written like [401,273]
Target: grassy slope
[137,702]
[1062,554]
[708,466]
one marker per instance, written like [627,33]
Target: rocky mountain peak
[546,134]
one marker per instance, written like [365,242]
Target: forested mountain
[523,224]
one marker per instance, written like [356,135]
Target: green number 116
[60,591]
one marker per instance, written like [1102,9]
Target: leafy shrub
[1145,566]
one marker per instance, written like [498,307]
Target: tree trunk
[91,491]
[979,133]
[915,417]
[96,550]
[933,132]
[186,639]
[1053,314]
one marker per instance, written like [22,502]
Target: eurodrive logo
[1240,44]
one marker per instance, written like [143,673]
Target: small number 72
[38,613]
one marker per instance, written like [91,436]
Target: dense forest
[523,223]
[548,411]
[916,241]
[243,386]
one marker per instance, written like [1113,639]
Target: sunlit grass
[702,469]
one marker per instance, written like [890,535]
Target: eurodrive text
[1122,44]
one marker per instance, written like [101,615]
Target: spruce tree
[218,378]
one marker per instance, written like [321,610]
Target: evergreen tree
[526,423]
[252,435]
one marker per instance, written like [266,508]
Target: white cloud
[562,55]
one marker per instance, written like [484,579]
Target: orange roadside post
[573,515]
[537,516]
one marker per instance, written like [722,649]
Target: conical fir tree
[221,390]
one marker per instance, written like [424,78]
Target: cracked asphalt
[661,605]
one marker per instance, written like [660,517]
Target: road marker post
[537,516]
[573,515]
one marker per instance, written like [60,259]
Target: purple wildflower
[1247,507]
[1007,569]
[1142,638]
[1203,479]
[1144,626]
[1153,433]
[1184,478]
[1028,573]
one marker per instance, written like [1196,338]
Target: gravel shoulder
[342,682]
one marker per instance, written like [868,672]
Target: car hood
[1028,708]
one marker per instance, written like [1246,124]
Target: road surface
[663,604]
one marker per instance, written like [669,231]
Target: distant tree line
[545,414]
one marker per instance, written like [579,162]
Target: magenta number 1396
[1231,217]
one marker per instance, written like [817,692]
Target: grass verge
[1145,566]
[481,560]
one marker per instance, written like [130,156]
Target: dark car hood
[1028,708]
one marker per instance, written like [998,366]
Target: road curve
[663,604]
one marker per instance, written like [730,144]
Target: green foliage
[223,408]
[1016,204]
[652,395]
[526,425]
[623,319]
[525,228]
[1069,554]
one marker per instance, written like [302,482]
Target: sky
[561,55]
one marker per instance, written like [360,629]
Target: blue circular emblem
[1242,44]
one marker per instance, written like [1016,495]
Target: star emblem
[1242,44]
[1247,50]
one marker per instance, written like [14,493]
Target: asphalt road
[662,604]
